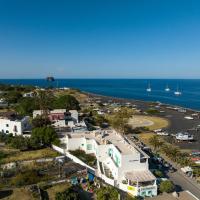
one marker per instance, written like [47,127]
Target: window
[15,128]
[7,131]
[7,125]
[89,147]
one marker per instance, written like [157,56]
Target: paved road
[184,183]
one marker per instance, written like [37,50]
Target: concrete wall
[76,143]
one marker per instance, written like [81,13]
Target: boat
[149,88]
[177,92]
[184,136]
[167,89]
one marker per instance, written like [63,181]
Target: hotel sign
[131,188]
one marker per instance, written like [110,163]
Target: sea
[134,89]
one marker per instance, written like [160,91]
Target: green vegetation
[12,97]
[152,111]
[171,151]
[42,100]
[44,136]
[13,155]
[155,142]
[67,102]
[54,189]
[69,194]
[26,178]
[107,193]
[166,186]
[40,121]
[40,137]
[26,106]
[86,158]
[119,120]
[158,173]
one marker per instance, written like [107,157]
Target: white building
[62,118]
[29,94]
[15,126]
[120,164]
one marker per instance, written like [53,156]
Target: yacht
[149,88]
[184,137]
[167,89]
[177,92]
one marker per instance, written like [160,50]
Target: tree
[119,120]
[45,100]
[155,142]
[40,121]
[166,186]
[26,106]
[45,136]
[69,194]
[107,193]
[68,102]
[12,96]
[19,142]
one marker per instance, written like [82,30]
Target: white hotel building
[15,125]
[118,163]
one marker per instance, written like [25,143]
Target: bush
[158,173]
[152,111]
[87,158]
[107,193]
[69,194]
[45,136]
[26,178]
[167,186]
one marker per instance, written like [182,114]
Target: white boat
[184,137]
[167,89]
[149,88]
[177,92]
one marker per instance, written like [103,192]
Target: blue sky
[100,38]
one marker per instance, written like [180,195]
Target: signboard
[131,188]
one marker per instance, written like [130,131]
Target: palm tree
[156,142]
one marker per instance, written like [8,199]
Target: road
[181,181]
[184,183]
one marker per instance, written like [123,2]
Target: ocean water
[130,88]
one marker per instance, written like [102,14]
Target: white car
[158,130]
[162,133]
[189,118]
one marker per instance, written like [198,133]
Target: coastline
[120,99]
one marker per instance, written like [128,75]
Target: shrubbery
[41,137]
[69,194]
[166,186]
[26,178]
[87,158]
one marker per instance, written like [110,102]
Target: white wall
[76,143]
[15,127]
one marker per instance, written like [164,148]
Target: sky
[100,38]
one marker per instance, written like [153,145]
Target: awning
[140,176]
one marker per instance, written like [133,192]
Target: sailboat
[167,89]
[177,92]
[149,88]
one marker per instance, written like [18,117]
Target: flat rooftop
[184,195]
[108,137]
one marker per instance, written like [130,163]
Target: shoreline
[139,101]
